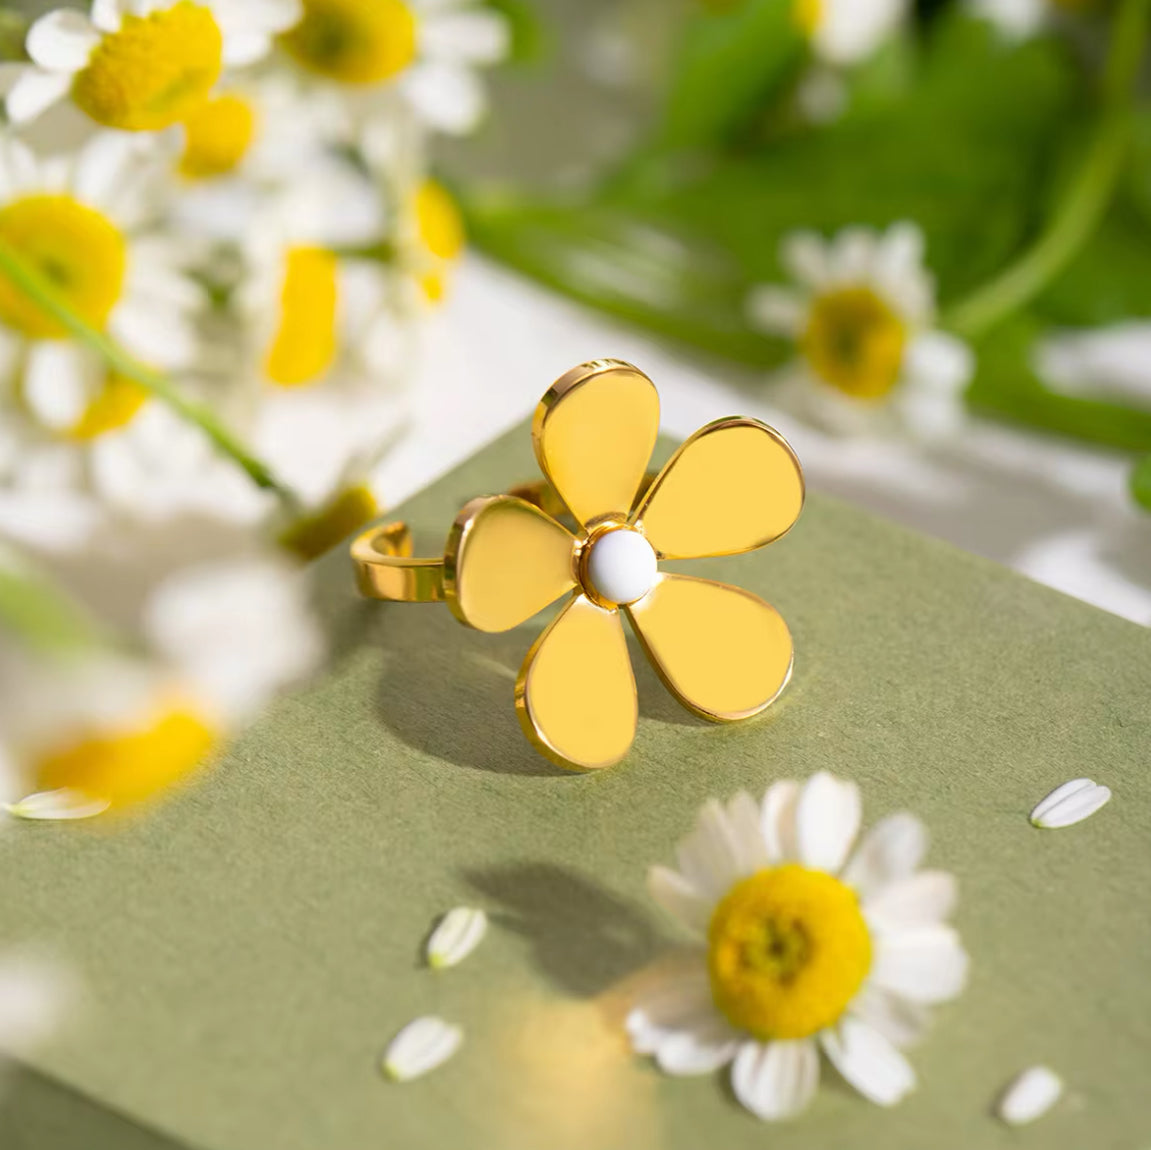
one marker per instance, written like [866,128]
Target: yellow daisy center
[855,341]
[808,15]
[75,248]
[354,41]
[153,72]
[128,765]
[217,136]
[305,341]
[114,407]
[788,949]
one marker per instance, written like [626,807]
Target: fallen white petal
[1069,804]
[1030,1096]
[57,806]
[459,932]
[422,1045]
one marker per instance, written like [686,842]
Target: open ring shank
[385,568]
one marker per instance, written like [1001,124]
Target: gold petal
[733,486]
[593,433]
[505,561]
[723,652]
[575,696]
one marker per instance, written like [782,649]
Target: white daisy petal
[35,92]
[153,333]
[1069,804]
[475,36]
[106,15]
[778,311]
[57,806]
[458,933]
[60,380]
[869,1062]
[805,256]
[680,898]
[777,1080]
[1030,1096]
[449,97]
[901,1022]
[827,821]
[890,851]
[924,964]
[743,820]
[925,898]
[852,255]
[939,363]
[62,41]
[420,1047]
[710,857]
[777,821]
[700,1051]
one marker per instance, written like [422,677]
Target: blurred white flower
[139,65]
[323,328]
[1016,19]
[844,32]
[1113,360]
[862,318]
[808,942]
[104,729]
[426,53]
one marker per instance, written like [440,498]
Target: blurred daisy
[805,947]
[1022,19]
[844,32]
[140,65]
[432,239]
[85,223]
[862,315]
[427,52]
[1113,360]
[324,333]
[110,730]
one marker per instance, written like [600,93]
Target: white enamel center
[621,566]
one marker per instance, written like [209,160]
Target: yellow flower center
[129,765]
[305,341]
[347,511]
[855,341]
[354,41]
[154,72]
[788,949]
[808,15]
[75,248]
[217,136]
[114,407]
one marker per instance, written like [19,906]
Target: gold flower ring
[734,486]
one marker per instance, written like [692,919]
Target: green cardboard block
[247,950]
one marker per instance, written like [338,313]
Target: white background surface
[1053,510]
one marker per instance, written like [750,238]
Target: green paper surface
[248,949]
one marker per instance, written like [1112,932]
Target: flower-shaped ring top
[732,487]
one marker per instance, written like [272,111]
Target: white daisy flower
[140,65]
[862,317]
[325,331]
[1020,19]
[844,32]
[806,946]
[109,730]
[428,53]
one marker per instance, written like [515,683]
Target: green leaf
[1141,483]
[730,66]
[1006,386]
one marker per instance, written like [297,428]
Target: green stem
[39,290]
[1079,214]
